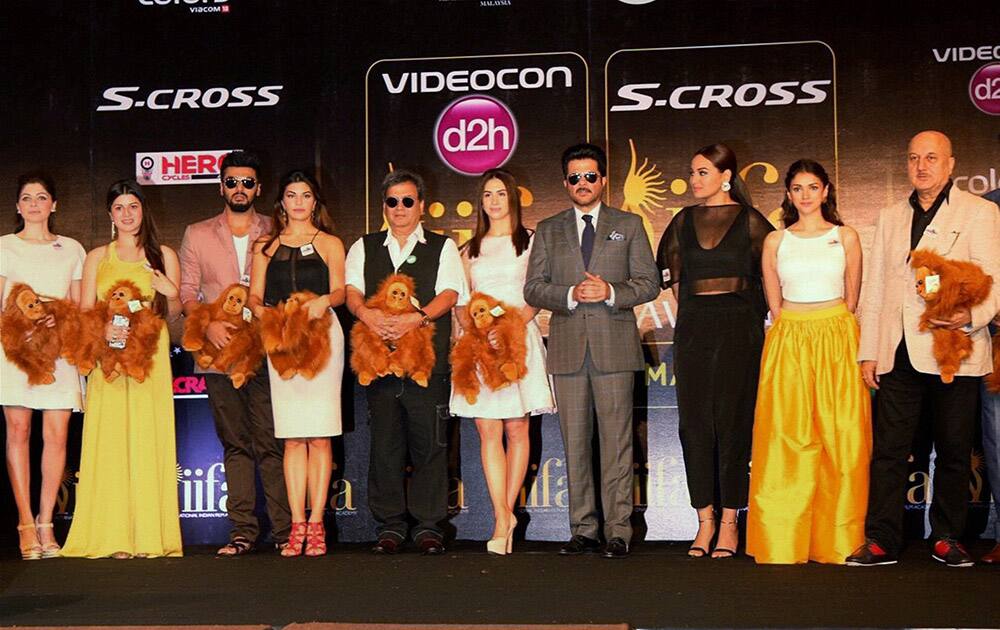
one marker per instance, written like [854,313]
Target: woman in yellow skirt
[812,427]
[126,499]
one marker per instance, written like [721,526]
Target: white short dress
[49,269]
[498,271]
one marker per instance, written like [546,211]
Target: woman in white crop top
[812,427]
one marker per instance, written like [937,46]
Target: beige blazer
[966,227]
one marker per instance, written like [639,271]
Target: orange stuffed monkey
[34,354]
[473,357]
[947,286]
[241,357]
[294,343]
[411,355]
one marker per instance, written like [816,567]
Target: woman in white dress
[53,266]
[496,261]
[302,254]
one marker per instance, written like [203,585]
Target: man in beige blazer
[214,254]
[897,359]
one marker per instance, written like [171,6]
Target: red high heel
[315,539]
[296,539]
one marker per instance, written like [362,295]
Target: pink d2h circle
[984,89]
[474,134]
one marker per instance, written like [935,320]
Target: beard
[239,208]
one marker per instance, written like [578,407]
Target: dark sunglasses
[574,178]
[248,182]
[392,202]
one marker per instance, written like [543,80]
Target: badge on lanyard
[307,249]
[245,279]
[247,314]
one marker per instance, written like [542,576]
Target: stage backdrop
[160,89]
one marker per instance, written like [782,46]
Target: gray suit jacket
[625,261]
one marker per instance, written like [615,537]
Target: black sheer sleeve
[760,227]
[668,253]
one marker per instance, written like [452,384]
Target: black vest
[426,258]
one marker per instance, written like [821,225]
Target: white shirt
[580,225]
[451,274]
[240,243]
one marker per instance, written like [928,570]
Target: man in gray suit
[590,265]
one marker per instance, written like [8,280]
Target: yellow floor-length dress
[812,442]
[126,498]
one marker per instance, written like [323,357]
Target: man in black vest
[404,417]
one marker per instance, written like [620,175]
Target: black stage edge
[657,587]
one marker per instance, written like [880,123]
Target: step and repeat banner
[160,90]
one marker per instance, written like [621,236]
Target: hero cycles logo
[179,167]
[645,96]
[477,132]
[119,99]
[984,86]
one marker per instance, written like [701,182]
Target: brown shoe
[993,557]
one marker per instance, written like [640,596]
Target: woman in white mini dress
[496,261]
[52,266]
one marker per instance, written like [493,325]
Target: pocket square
[616,236]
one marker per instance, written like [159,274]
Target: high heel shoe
[502,545]
[296,540]
[726,552]
[32,551]
[49,549]
[315,539]
[697,551]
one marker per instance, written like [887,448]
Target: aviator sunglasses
[248,182]
[574,178]
[392,202]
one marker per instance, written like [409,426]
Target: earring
[726,186]
[114,233]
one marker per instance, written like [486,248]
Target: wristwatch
[425,320]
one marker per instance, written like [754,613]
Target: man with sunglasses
[405,418]
[590,265]
[214,254]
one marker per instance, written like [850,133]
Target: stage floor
[657,587]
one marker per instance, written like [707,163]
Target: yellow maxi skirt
[812,442]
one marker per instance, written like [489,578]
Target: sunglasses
[248,182]
[574,178]
[392,202]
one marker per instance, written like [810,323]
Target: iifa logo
[203,492]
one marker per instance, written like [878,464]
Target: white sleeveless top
[811,269]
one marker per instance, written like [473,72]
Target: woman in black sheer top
[710,256]
[302,254]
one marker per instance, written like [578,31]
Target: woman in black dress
[710,256]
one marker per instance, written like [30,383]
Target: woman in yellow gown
[812,434]
[126,498]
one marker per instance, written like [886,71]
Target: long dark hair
[519,235]
[320,217]
[724,158]
[148,237]
[789,214]
[43,180]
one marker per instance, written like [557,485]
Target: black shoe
[579,544]
[870,554]
[431,546]
[387,546]
[616,548]
[952,553]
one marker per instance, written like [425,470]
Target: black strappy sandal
[700,552]
[726,552]
[238,546]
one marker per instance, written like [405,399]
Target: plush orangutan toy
[294,343]
[34,354]
[123,304]
[241,357]
[474,357]
[947,286]
[411,355]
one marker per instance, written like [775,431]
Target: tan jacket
[208,257]
[966,227]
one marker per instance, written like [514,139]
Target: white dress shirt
[451,274]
